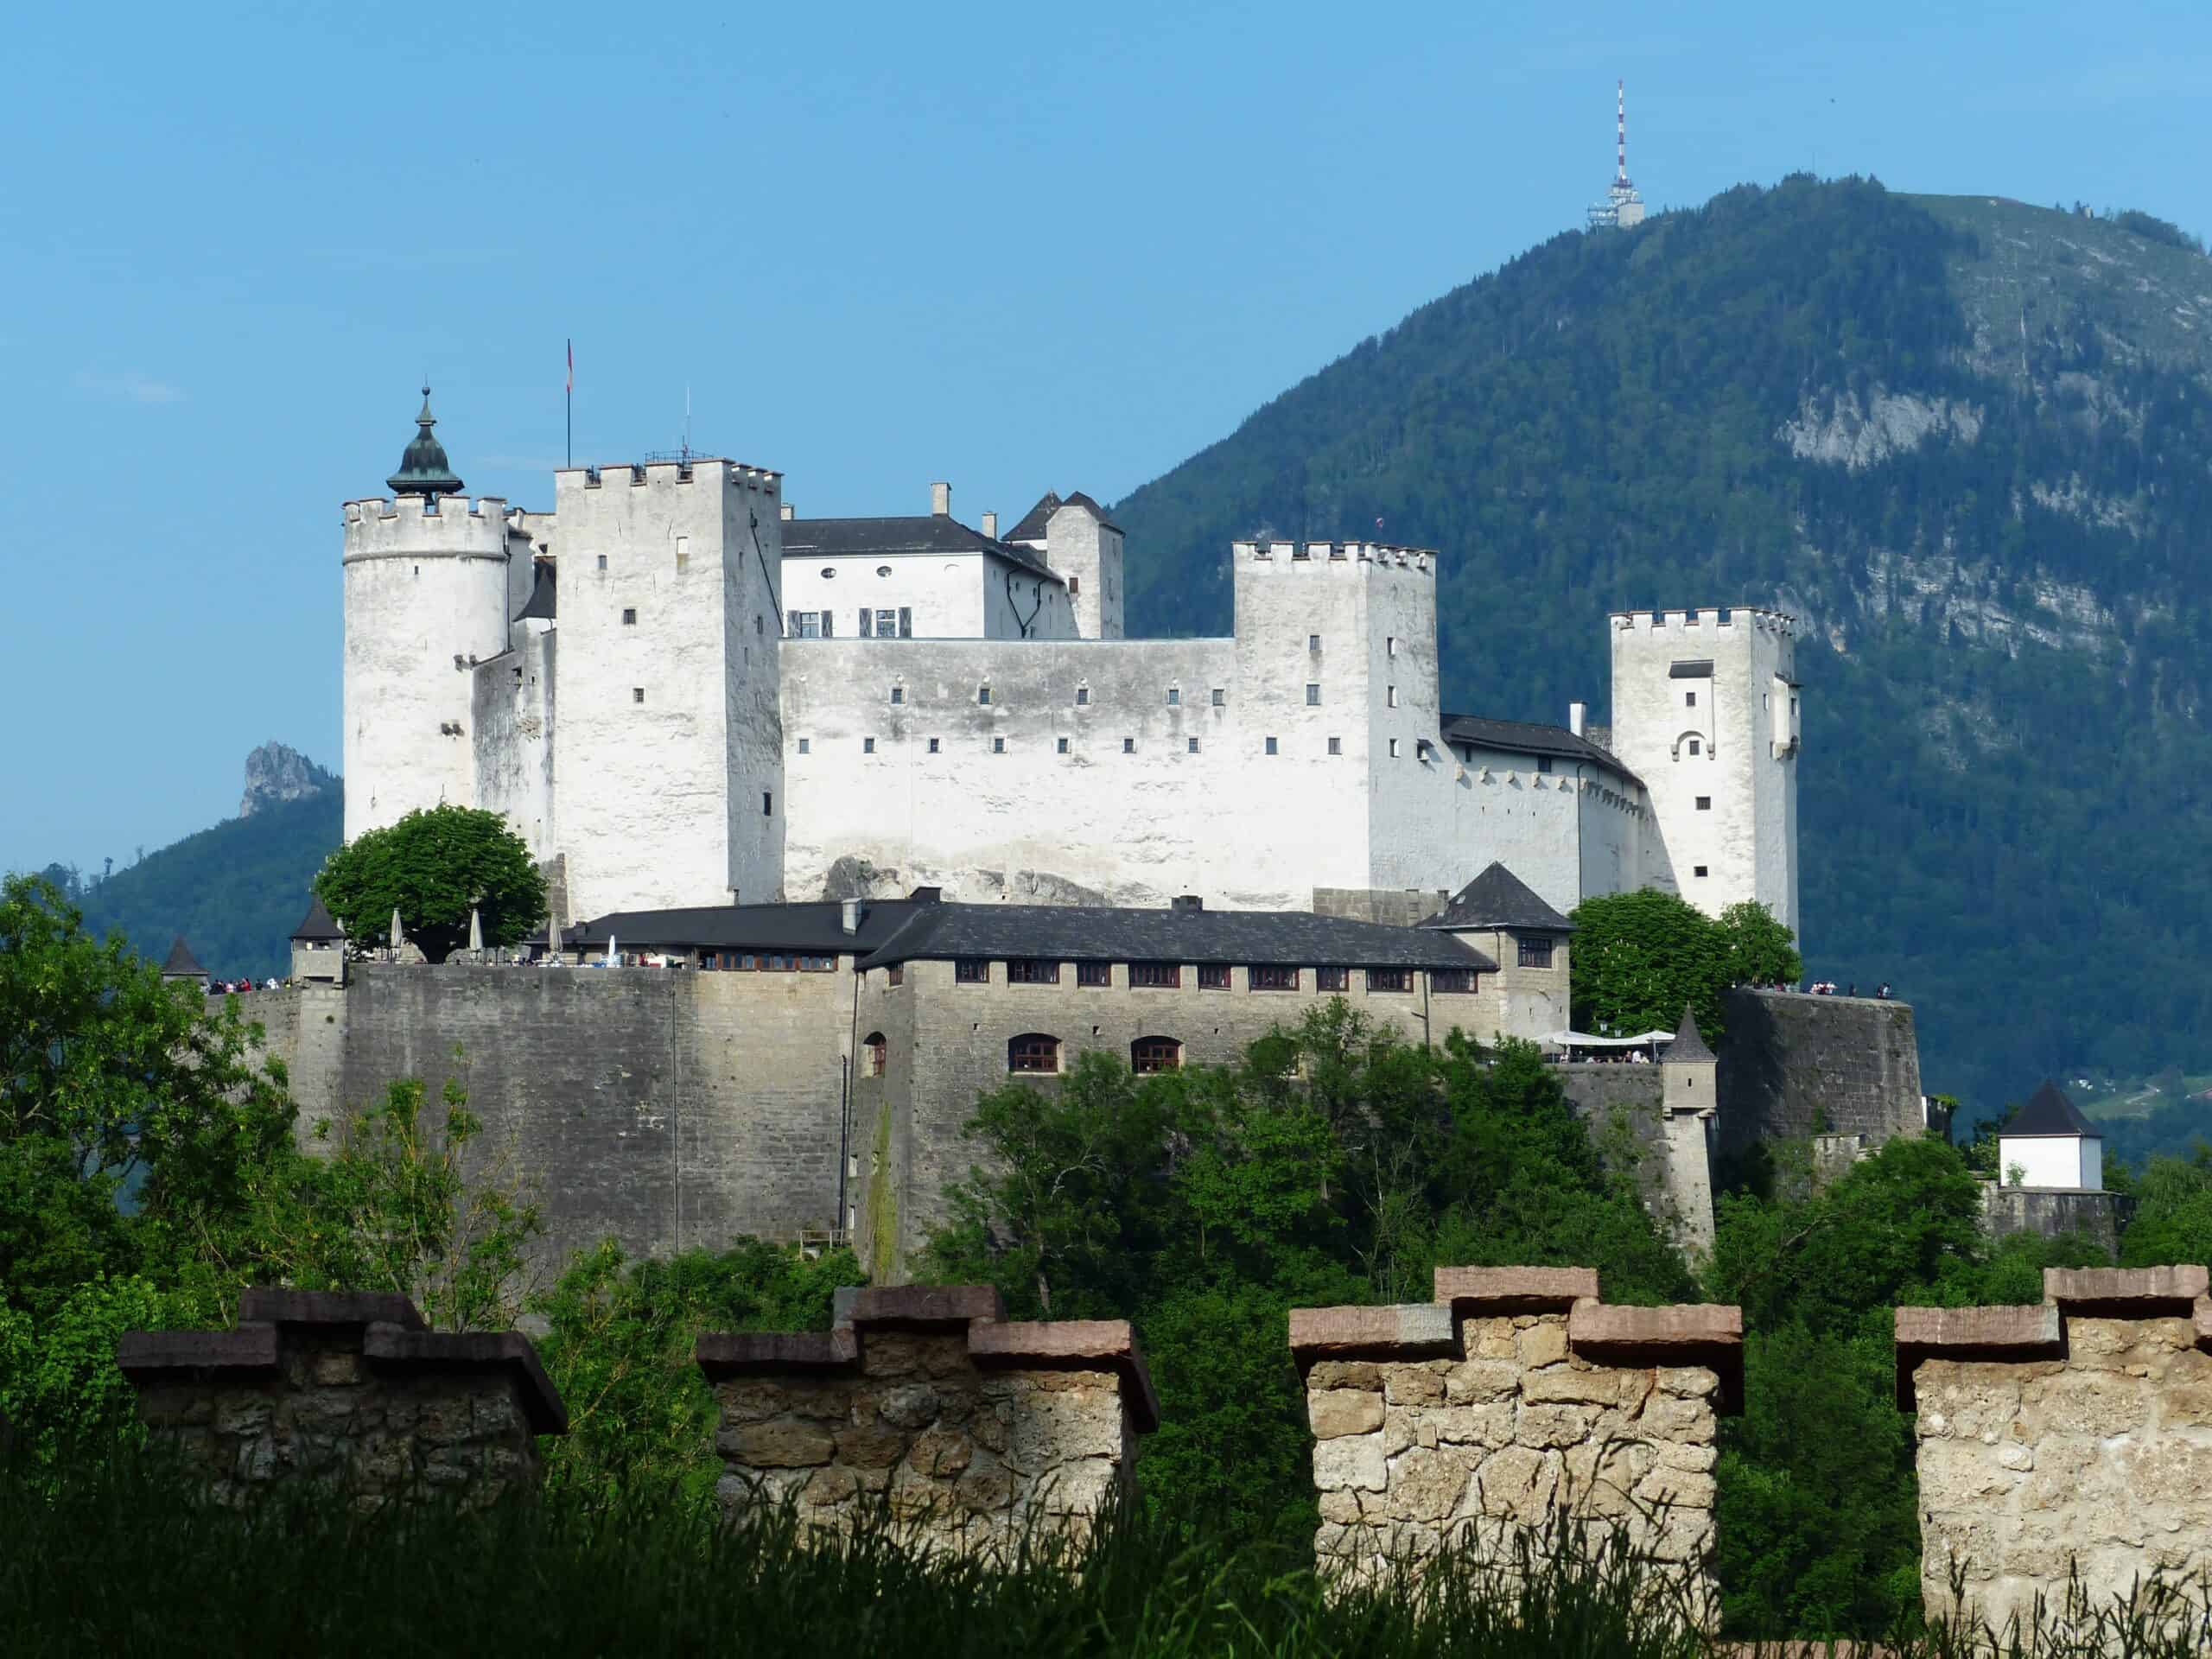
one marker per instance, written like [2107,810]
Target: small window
[1064,746]
[1269,978]
[868,745]
[905,622]
[1390,695]
[630,617]
[896,974]
[1155,976]
[1271,746]
[1689,699]
[1032,970]
[1698,871]
[602,560]
[518,674]
[682,562]
[637,694]
[1094,973]
[932,746]
[1174,697]
[1313,642]
[1075,586]
[1033,1052]
[1332,979]
[1313,696]
[982,694]
[1704,803]
[887,623]
[767,802]
[1452,982]
[1536,953]
[1151,1054]
[1389,979]
[1336,745]
[1128,746]
[1695,747]
[1394,748]
[1390,645]
[1213,976]
[897,694]
[807,745]
[1193,746]
[828,571]
[874,1049]
[1220,696]
[971,970]
[806,625]
[1543,763]
[882,570]
[1081,695]
[998,745]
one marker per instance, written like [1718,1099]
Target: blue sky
[1018,247]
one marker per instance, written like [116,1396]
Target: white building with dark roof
[2050,1144]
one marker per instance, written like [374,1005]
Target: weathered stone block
[1353,1460]
[1336,1412]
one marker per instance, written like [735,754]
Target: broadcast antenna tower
[1622,207]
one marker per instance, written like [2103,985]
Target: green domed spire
[424,470]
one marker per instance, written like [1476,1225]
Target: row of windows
[1036,1052]
[888,623]
[1422,746]
[813,624]
[766,962]
[1218,976]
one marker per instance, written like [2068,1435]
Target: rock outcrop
[276,772]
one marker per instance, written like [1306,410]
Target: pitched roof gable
[1689,1048]
[318,926]
[1498,897]
[2049,1113]
[182,964]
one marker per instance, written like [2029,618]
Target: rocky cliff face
[275,773]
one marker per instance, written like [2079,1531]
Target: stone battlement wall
[2072,1436]
[1323,554]
[2048,1212]
[1514,1398]
[1793,1065]
[415,523]
[973,1430]
[348,1388]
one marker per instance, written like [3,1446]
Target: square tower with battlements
[1706,712]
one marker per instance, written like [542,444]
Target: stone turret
[182,964]
[1689,1092]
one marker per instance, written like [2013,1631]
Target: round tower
[426,599]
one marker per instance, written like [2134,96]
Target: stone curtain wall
[1793,1065]
[1515,1397]
[2074,1434]
[350,1389]
[925,1403]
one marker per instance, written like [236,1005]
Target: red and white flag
[572,365]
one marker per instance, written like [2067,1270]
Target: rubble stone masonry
[1514,1398]
[2075,1435]
[926,1404]
[347,1388]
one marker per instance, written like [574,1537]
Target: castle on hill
[680,694]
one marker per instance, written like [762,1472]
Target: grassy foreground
[120,1560]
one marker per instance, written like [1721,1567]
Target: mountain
[1969,441]
[275,773]
[235,892]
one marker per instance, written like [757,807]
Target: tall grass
[122,1559]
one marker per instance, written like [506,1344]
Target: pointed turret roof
[182,964]
[1689,1048]
[423,469]
[317,927]
[2049,1113]
[1498,897]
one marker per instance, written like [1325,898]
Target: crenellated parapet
[1716,619]
[1349,554]
[711,469]
[382,527]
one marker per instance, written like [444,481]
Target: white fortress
[758,707]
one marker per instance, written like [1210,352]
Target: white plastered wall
[2060,1160]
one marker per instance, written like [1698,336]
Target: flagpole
[572,404]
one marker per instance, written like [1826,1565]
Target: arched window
[1690,743]
[1150,1054]
[1033,1052]
[873,1050]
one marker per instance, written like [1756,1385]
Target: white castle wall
[1744,723]
[513,727]
[669,736]
[1088,553]
[423,588]
[957,596]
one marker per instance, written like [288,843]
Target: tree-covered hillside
[1967,441]
[235,892]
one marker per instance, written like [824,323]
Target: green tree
[1640,958]
[434,867]
[2173,1212]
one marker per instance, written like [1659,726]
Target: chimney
[940,500]
[851,915]
[788,513]
[1578,716]
[991,526]
[1187,901]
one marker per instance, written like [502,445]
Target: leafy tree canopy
[434,867]
[1640,958]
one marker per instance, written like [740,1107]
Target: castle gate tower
[426,580]
[1705,713]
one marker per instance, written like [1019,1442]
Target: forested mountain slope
[1969,441]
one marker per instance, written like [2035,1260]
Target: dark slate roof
[806,538]
[2049,1113]
[1525,737]
[1034,522]
[1688,1045]
[182,963]
[1498,897]
[1071,933]
[423,469]
[818,927]
[543,595]
[317,927]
